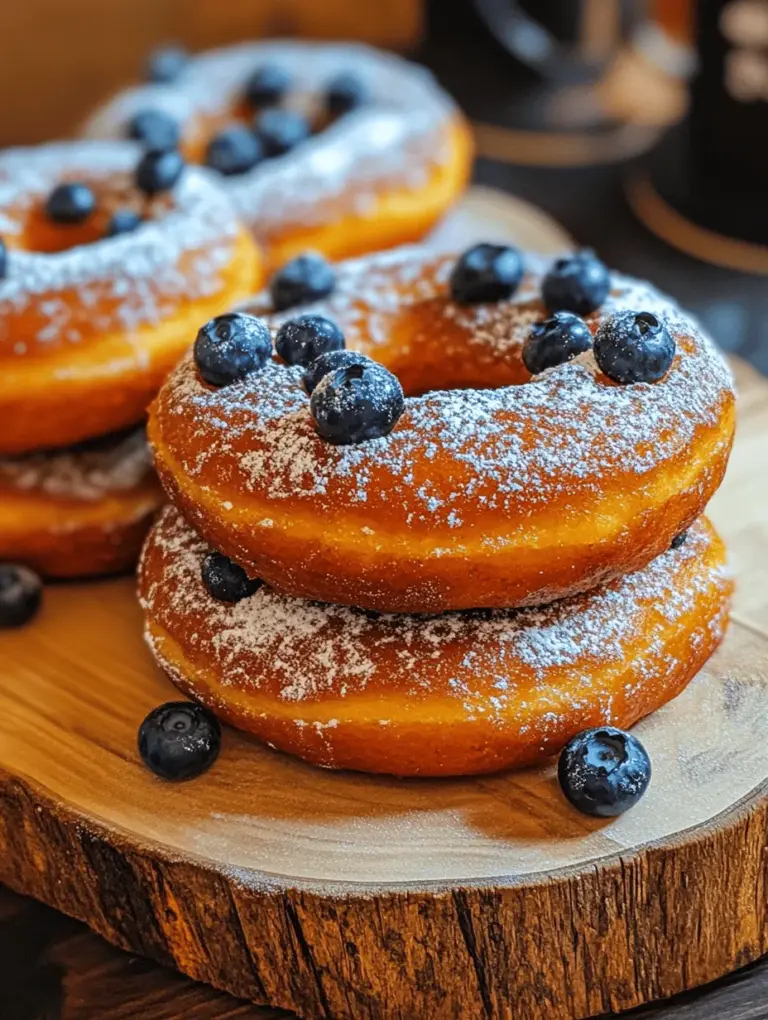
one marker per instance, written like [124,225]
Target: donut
[453,694]
[379,175]
[91,324]
[82,511]
[495,489]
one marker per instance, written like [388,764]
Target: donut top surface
[479,439]
[394,136]
[67,282]
[85,473]
[299,651]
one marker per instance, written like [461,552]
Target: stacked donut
[109,254]
[437,514]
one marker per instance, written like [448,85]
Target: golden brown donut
[376,177]
[445,695]
[507,496]
[90,325]
[79,512]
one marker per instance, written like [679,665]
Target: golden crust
[447,695]
[518,495]
[91,325]
[79,513]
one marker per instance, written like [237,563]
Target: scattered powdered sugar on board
[305,651]
[456,454]
[123,282]
[87,472]
[392,140]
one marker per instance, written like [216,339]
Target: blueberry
[155,129]
[604,771]
[234,151]
[70,203]
[3,259]
[357,402]
[166,64]
[231,347]
[225,581]
[159,170]
[21,592]
[555,341]
[279,131]
[327,363]
[300,341]
[633,347]
[179,740]
[345,92]
[578,283]
[267,84]
[123,221]
[487,272]
[305,278]
[679,540]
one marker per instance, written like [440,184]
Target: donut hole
[429,348]
[37,232]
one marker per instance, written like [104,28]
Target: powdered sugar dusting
[304,651]
[122,282]
[86,473]
[456,454]
[394,139]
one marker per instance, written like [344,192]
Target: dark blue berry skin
[357,402]
[487,272]
[267,85]
[302,340]
[225,581]
[155,129]
[555,341]
[279,131]
[305,278]
[234,150]
[679,540]
[604,771]
[578,283]
[179,740]
[166,64]
[329,361]
[3,259]
[345,92]
[21,592]
[159,170]
[634,347]
[70,203]
[231,347]
[124,221]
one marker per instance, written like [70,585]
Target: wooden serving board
[350,897]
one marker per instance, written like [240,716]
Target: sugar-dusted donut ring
[389,155]
[79,512]
[90,324]
[505,496]
[445,695]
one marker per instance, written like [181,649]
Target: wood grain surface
[344,896]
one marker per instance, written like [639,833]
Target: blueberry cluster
[629,347]
[352,399]
[240,146]
[74,202]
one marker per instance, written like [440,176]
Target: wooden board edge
[641,926]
